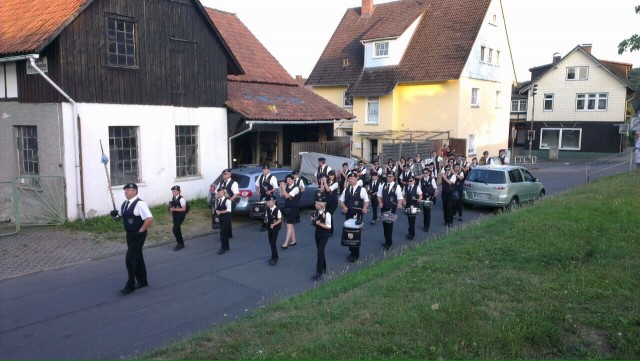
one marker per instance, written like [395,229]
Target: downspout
[236,136]
[77,146]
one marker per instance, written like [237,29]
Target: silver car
[502,186]
[247,177]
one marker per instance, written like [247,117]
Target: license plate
[482,195]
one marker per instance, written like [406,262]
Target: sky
[297,31]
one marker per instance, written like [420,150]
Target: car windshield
[487,176]
[243,180]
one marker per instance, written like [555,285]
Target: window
[483,51]
[381,48]
[123,151]
[347,100]
[472,144]
[519,106]
[578,73]
[528,177]
[8,80]
[121,43]
[498,99]
[591,102]
[548,102]
[515,176]
[373,110]
[186,151]
[490,57]
[563,138]
[475,97]
[497,63]
[27,145]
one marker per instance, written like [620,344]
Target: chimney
[367,8]
[587,47]
[556,58]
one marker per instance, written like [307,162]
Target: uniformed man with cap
[177,207]
[137,218]
[273,222]
[389,198]
[354,202]
[323,170]
[222,209]
[267,185]
[231,187]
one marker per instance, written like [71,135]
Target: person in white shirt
[137,218]
[273,221]
[223,211]
[429,188]
[231,187]
[178,208]
[390,199]
[291,194]
[321,220]
[448,187]
[354,202]
[323,169]
[266,184]
[298,181]
[413,197]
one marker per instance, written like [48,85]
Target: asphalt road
[78,313]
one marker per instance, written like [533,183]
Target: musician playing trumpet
[389,199]
[413,196]
[354,202]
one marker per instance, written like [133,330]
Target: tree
[631,44]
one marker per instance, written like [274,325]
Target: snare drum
[427,203]
[412,211]
[352,233]
[388,217]
[258,210]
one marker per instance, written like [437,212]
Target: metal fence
[31,200]
[598,167]
[408,149]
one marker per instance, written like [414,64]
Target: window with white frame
[381,48]
[591,102]
[563,138]
[187,151]
[27,147]
[490,56]
[373,110]
[497,61]
[347,100]
[578,73]
[519,106]
[124,154]
[483,52]
[498,99]
[471,148]
[475,97]
[548,103]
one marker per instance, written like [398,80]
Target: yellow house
[417,69]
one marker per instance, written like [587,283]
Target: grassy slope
[557,280]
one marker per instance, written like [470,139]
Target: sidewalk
[36,249]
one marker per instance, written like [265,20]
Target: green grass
[161,216]
[557,280]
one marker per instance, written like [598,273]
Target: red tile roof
[261,101]
[266,91]
[438,50]
[258,63]
[27,26]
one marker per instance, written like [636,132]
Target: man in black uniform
[231,186]
[178,208]
[354,202]
[273,222]
[429,188]
[321,220]
[267,184]
[373,195]
[137,218]
[413,196]
[390,198]
[223,211]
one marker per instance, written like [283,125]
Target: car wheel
[541,194]
[513,204]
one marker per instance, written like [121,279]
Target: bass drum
[352,233]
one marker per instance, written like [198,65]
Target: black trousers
[458,203]
[388,229]
[134,259]
[355,251]
[273,240]
[448,206]
[412,225]
[321,243]
[178,218]
[374,207]
[426,215]
[225,231]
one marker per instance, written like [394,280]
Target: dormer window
[578,73]
[381,49]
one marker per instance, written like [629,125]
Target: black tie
[224,185]
[126,206]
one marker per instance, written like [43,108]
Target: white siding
[397,48]
[565,91]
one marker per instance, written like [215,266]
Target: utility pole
[531,135]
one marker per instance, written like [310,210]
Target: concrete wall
[48,120]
